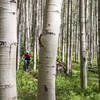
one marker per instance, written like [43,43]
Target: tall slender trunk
[48,50]
[8,42]
[19,32]
[27,26]
[91,35]
[87,22]
[62,52]
[76,44]
[97,32]
[63,30]
[71,42]
[35,33]
[68,42]
[58,53]
[99,39]
[83,52]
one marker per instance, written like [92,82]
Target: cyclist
[27,58]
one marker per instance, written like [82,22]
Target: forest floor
[67,88]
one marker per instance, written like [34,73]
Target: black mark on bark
[84,59]
[3,43]
[47,32]
[49,25]
[45,88]
[41,45]
[13,13]
[13,1]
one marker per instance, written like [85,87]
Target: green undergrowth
[26,86]
[67,88]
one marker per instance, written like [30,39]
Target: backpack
[27,56]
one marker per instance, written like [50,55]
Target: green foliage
[59,58]
[94,63]
[67,88]
[26,86]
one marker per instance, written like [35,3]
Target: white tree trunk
[35,32]
[77,44]
[68,39]
[83,53]
[48,50]
[71,42]
[8,42]
[27,26]
[34,55]
[99,40]
[63,30]
[91,33]
[19,32]
[62,46]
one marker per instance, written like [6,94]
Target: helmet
[27,52]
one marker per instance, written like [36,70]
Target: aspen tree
[99,39]
[48,50]
[83,53]
[8,42]
[19,32]
[35,22]
[91,34]
[71,42]
[68,41]
[63,29]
